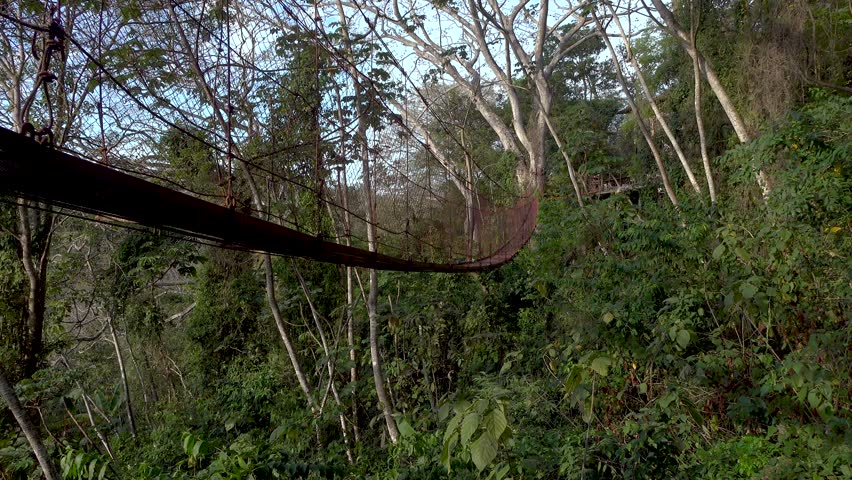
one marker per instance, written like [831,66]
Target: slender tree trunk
[256,199]
[88,408]
[329,365]
[639,120]
[32,225]
[376,359]
[353,358]
[139,375]
[536,135]
[285,337]
[653,102]
[699,118]
[372,314]
[343,181]
[131,419]
[473,217]
[155,397]
[372,296]
[571,172]
[14,404]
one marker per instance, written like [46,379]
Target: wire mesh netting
[274,111]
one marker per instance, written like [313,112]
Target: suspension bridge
[239,149]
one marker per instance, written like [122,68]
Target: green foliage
[12,296]
[16,457]
[629,340]
[229,298]
[80,465]
[475,432]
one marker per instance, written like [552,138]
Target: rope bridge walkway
[170,120]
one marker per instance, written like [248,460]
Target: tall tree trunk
[216,108]
[285,337]
[35,232]
[328,363]
[372,314]
[372,296]
[536,135]
[473,216]
[131,419]
[139,375]
[353,357]
[376,359]
[653,102]
[699,118]
[639,120]
[571,172]
[343,181]
[88,408]
[155,396]
[14,404]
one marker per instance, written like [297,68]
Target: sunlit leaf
[483,450]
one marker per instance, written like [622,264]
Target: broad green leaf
[405,428]
[446,451]
[748,290]
[469,426]
[574,379]
[814,399]
[444,411]
[276,434]
[187,440]
[693,412]
[673,332]
[196,449]
[507,434]
[587,410]
[683,339]
[601,365]
[483,450]
[452,426]
[718,251]
[461,406]
[666,400]
[495,422]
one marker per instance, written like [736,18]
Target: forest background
[693,324]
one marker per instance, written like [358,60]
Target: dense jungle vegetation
[630,338]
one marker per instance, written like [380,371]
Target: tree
[11,399]
[27,82]
[362,151]
[670,24]
[489,36]
[653,103]
[649,139]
